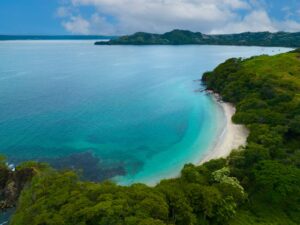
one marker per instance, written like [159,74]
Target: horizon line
[118,35]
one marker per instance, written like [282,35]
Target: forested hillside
[258,184]
[182,37]
[266,92]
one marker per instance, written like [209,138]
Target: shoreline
[231,137]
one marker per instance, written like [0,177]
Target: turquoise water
[131,106]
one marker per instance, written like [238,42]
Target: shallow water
[133,107]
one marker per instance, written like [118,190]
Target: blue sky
[110,17]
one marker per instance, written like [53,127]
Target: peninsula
[183,37]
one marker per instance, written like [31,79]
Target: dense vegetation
[181,37]
[259,184]
[266,92]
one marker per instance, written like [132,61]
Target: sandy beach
[231,137]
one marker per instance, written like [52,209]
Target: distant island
[183,37]
[53,37]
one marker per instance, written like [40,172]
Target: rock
[11,185]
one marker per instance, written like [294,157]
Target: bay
[135,108]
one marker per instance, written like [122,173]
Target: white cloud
[237,4]
[100,23]
[288,25]
[63,12]
[163,15]
[255,21]
[207,16]
[77,25]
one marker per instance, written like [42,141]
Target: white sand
[232,137]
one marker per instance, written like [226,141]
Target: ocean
[129,113]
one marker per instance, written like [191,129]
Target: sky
[118,17]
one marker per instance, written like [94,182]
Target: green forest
[185,37]
[256,184]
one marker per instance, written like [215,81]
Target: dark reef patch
[90,167]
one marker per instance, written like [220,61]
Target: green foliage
[278,182]
[222,176]
[255,153]
[215,164]
[296,50]
[294,125]
[266,91]
[60,198]
[180,211]
[199,195]
[37,166]
[2,161]
[262,215]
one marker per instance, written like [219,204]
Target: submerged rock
[89,166]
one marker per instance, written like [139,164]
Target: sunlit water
[131,106]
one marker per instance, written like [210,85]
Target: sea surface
[131,112]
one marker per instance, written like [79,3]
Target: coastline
[231,137]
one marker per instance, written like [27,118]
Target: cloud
[63,11]
[255,21]
[100,23]
[77,25]
[288,25]
[162,15]
[207,16]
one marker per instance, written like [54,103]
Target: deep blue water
[133,107]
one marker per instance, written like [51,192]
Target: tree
[279,183]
